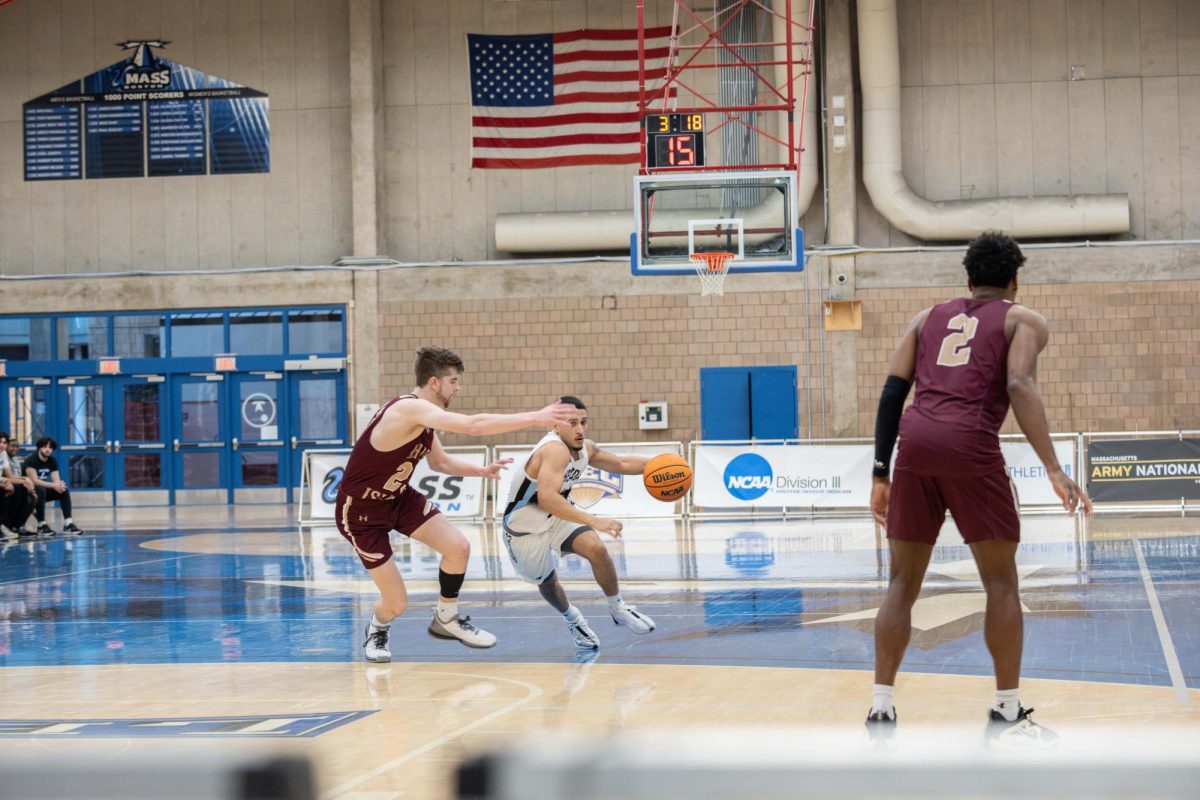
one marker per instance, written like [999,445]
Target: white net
[712,268]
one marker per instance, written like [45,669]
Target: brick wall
[522,352]
[1122,356]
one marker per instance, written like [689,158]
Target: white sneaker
[8,533]
[631,618]
[375,648]
[585,638]
[460,628]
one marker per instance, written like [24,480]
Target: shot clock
[674,141]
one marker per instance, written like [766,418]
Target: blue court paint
[753,597]
[278,726]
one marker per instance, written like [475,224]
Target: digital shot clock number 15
[674,141]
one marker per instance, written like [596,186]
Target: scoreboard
[674,141]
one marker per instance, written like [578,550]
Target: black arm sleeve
[887,423]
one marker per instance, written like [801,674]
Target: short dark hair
[4,435]
[993,259]
[46,440]
[572,400]
[434,362]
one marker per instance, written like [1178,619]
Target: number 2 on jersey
[955,352]
[397,480]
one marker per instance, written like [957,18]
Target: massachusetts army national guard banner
[1143,469]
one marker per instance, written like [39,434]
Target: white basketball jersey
[522,514]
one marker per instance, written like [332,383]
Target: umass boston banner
[1134,470]
[146,117]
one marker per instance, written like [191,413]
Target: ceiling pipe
[1022,217]
[575,231]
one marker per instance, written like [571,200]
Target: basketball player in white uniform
[541,523]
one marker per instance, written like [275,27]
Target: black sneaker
[25,533]
[1021,732]
[44,530]
[881,726]
[71,529]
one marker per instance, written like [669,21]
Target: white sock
[882,700]
[375,623]
[447,609]
[1008,704]
[572,614]
[615,601]
[67,521]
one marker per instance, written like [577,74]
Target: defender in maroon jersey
[971,358]
[374,497]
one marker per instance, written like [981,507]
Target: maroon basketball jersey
[953,424]
[375,476]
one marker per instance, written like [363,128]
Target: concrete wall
[438,208]
[295,50]
[1041,97]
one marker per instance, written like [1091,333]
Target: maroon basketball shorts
[367,526]
[984,507]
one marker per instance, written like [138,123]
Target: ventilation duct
[1023,217]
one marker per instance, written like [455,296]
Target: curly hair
[993,259]
[435,362]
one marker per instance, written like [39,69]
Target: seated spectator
[20,502]
[41,469]
[6,493]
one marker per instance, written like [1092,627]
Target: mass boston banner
[146,116]
[1136,470]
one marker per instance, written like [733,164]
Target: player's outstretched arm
[441,461]
[1030,335]
[611,462]
[549,495]
[428,415]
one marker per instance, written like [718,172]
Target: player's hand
[60,487]
[8,487]
[494,469]
[1069,492]
[605,525]
[881,492]
[555,413]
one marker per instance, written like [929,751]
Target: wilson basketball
[667,477]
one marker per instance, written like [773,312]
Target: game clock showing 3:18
[674,141]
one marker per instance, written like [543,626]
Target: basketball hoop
[712,269]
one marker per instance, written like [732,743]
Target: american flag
[560,99]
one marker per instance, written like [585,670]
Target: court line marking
[534,693]
[102,569]
[1164,635]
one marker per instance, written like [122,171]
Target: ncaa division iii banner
[1143,469]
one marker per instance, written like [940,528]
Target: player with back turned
[971,358]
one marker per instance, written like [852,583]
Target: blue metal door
[773,403]
[316,416]
[724,403]
[141,463]
[200,439]
[259,457]
[85,440]
[27,408]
